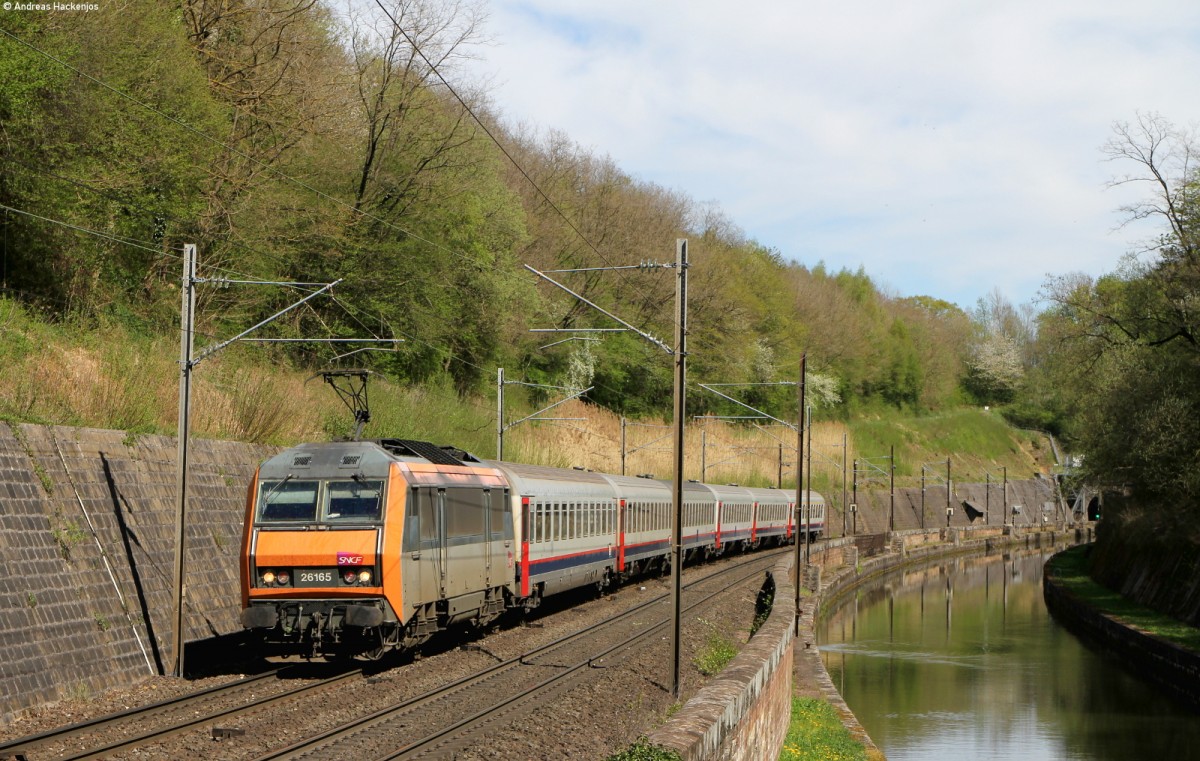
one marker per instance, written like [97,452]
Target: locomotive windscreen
[287,500]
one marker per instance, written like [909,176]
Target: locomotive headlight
[283,577]
[349,577]
[364,577]
[268,577]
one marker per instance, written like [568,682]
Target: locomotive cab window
[287,500]
[354,501]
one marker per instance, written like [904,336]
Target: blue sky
[947,147]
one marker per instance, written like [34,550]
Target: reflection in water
[963,661]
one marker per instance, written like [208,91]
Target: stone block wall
[743,714]
[875,507]
[87,556]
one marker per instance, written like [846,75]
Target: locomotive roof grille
[432,452]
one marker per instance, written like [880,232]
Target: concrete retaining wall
[87,555]
[1036,498]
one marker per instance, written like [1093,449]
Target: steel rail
[102,722]
[553,682]
[136,716]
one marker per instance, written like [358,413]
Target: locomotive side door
[464,549]
[422,568]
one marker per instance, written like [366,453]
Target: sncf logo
[349,558]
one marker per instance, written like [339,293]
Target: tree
[1001,349]
[1133,334]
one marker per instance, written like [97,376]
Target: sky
[948,147]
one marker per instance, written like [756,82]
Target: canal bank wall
[1174,668]
[745,712]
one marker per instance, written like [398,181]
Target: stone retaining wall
[87,556]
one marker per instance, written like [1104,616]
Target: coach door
[498,530]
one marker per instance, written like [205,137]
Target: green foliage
[68,537]
[263,156]
[975,438]
[816,734]
[716,654]
[643,750]
[75,154]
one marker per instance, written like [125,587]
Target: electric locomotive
[356,548]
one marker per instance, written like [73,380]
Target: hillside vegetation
[293,142]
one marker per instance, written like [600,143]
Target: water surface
[963,661]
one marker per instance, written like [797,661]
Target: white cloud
[948,147]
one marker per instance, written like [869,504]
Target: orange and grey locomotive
[356,548]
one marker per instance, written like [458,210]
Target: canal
[963,661]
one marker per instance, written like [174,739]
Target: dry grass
[108,379]
[727,453]
[117,383]
[134,386]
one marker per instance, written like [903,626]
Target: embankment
[87,537]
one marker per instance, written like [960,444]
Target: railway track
[455,716]
[145,725]
[432,724]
